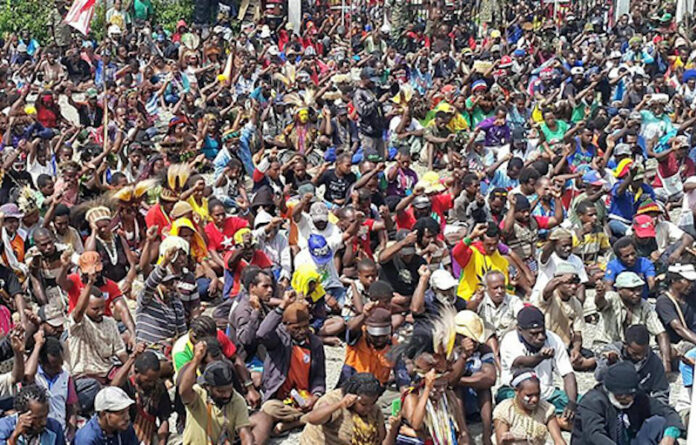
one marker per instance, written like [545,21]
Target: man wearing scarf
[618,412]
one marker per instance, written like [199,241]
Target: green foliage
[168,12]
[34,16]
[26,15]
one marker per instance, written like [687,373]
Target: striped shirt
[157,319]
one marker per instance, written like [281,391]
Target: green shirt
[557,135]
[142,9]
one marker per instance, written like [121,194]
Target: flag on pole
[80,15]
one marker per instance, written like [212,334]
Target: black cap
[622,378]
[217,373]
[530,317]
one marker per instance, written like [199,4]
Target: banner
[80,15]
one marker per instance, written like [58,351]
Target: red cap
[644,227]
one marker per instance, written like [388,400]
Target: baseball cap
[687,271]
[51,315]
[469,324]
[564,268]
[622,149]
[400,236]
[379,322]
[10,210]
[319,249]
[643,226]
[421,202]
[216,374]
[90,262]
[681,141]
[369,73]
[319,212]
[442,280]
[628,280]
[262,218]
[577,71]
[591,177]
[112,398]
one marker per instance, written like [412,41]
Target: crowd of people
[473,203]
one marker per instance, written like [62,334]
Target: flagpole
[104,99]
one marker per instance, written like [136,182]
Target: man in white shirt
[532,346]
[314,222]
[559,249]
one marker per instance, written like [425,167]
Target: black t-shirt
[401,275]
[667,312]
[9,282]
[336,188]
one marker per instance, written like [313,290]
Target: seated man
[369,340]
[474,371]
[627,259]
[590,239]
[564,314]
[31,423]
[559,249]
[619,412]
[112,422]
[636,350]
[306,281]
[676,307]
[625,307]
[294,374]
[214,410]
[532,346]
[93,342]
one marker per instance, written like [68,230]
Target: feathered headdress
[435,335]
[177,175]
[300,100]
[132,193]
[26,201]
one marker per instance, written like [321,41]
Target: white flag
[80,15]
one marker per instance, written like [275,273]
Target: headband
[522,377]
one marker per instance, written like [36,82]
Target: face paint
[303,115]
[527,399]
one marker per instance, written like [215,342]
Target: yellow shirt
[205,420]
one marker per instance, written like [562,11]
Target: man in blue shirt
[627,259]
[626,196]
[31,423]
[111,425]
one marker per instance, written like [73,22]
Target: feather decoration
[26,201]
[177,175]
[444,329]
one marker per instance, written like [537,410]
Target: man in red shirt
[90,263]
[220,232]
[674,167]
[244,254]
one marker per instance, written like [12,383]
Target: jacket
[651,372]
[244,322]
[276,366]
[370,113]
[52,434]
[596,420]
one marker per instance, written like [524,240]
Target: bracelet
[468,241]
[279,310]
[673,432]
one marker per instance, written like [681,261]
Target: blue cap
[592,177]
[519,52]
[319,249]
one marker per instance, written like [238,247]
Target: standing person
[617,411]
[371,123]
[111,424]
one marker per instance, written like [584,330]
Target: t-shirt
[92,434]
[92,345]
[643,267]
[344,427]
[554,135]
[668,312]
[110,291]
[182,352]
[401,275]
[530,426]
[512,347]
[298,372]
[564,318]
[233,278]
[336,188]
[223,241]
[548,270]
[220,423]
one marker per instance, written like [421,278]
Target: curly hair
[29,393]
[363,383]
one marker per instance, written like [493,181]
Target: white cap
[112,398]
[442,280]
[687,271]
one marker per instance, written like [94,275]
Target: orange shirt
[298,374]
[364,358]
